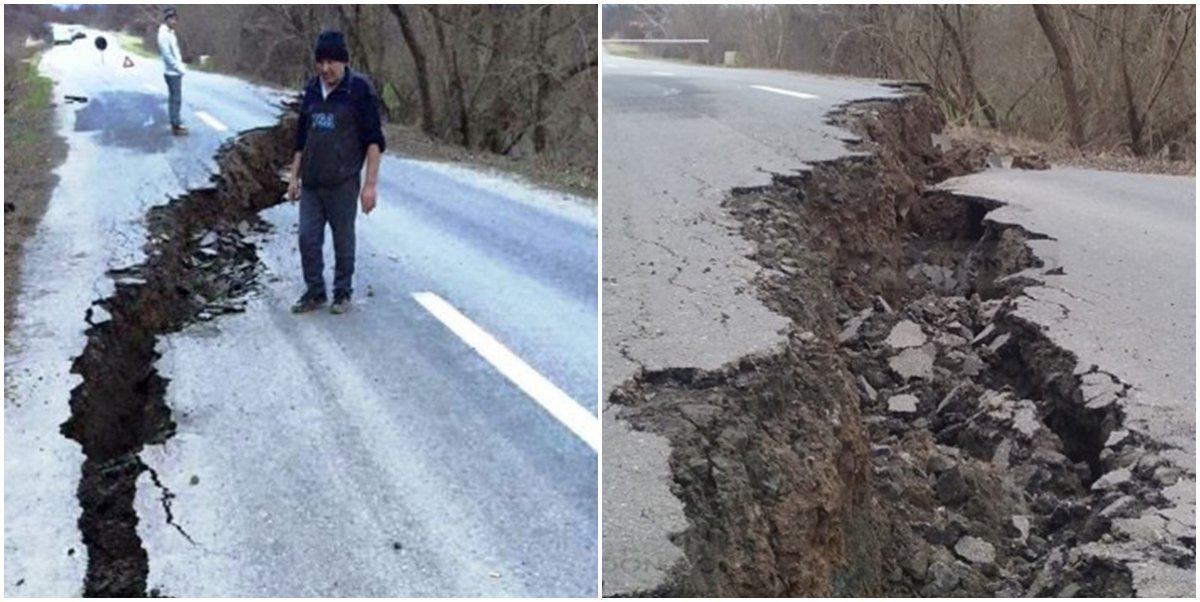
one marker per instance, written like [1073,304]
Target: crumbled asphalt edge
[798,481]
[198,264]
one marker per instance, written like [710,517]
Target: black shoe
[308,303]
[179,130]
[341,303]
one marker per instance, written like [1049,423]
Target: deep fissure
[803,471]
[198,265]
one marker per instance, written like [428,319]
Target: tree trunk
[542,87]
[418,54]
[456,85]
[1066,72]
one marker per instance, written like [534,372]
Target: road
[1126,302]
[371,454]
[677,284]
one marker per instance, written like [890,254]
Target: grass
[31,95]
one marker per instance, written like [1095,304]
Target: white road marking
[560,405]
[785,92]
[212,121]
[662,73]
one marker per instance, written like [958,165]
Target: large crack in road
[913,435]
[198,265]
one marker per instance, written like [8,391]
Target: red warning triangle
[128,62]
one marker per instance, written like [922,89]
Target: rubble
[987,488]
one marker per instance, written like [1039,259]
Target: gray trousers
[338,207]
[175,97]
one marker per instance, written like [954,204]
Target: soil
[913,437]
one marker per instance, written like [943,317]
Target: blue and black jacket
[334,132]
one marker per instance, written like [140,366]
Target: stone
[903,404]
[975,550]
[905,334]
[1112,480]
[938,464]
[1000,341]
[868,390]
[952,487]
[1020,522]
[984,334]
[209,239]
[1116,437]
[972,366]
[943,578]
[1025,421]
[949,398]
[913,363]
[1099,390]
[850,332]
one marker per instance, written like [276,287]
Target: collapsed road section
[913,435]
[198,265]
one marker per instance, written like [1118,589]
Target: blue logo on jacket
[323,121]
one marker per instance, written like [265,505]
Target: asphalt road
[1125,302]
[371,454]
[677,284]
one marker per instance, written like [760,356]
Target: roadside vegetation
[1116,82]
[32,148]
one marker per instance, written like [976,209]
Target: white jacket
[168,45]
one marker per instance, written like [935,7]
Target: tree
[1066,72]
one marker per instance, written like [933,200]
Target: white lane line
[785,92]
[560,405]
[662,73]
[212,121]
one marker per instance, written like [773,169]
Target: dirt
[32,151]
[200,263]
[913,436]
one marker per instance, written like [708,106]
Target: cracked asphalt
[371,454]
[677,282]
[1125,301]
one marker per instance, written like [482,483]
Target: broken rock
[975,550]
[905,334]
[903,404]
[914,363]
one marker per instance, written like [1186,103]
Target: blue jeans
[175,97]
[338,207]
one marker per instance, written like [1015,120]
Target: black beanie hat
[332,46]
[168,12]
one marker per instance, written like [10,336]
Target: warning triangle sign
[128,62]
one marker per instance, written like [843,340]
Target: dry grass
[539,169]
[1062,155]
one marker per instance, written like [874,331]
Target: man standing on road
[339,129]
[168,45]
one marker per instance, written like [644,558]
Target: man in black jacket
[339,130]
